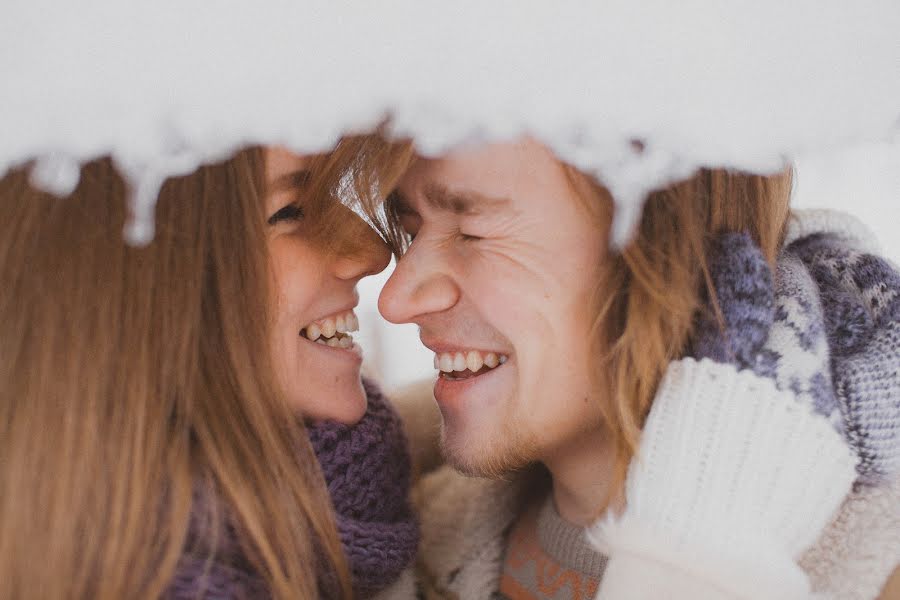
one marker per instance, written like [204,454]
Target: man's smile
[467,363]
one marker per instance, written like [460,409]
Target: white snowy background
[163,86]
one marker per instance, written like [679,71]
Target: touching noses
[417,287]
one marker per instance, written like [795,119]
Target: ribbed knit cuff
[733,480]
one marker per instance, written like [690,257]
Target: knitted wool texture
[213,564]
[861,299]
[835,313]
[197,577]
[774,328]
[367,469]
[760,474]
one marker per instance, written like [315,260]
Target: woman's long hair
[651,291]
[130,374]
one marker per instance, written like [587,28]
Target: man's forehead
[481,179]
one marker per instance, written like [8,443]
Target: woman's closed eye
[289,212]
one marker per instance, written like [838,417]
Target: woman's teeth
[473,361]
[333,331]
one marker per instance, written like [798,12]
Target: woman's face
[315,358]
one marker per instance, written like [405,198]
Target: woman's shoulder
[404,588]
[455,509]
[464,521]
[415,405]
[212,561]
[199,577]
[859,550]
[844,226]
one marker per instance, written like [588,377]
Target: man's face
[500,278]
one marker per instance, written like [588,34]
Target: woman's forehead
[280,161]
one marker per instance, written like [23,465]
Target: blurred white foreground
[167,85]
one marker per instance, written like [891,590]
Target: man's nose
[417,287]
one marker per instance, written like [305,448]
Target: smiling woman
[316,268]
[155,401]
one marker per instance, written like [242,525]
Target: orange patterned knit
[549,558]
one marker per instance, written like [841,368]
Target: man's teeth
[473,360]
[325,330]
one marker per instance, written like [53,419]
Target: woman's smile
[334,332]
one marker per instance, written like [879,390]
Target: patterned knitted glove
[777,330]
[861,299]
[738,472]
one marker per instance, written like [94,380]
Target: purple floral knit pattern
[861,301]
[827,328]
[367,468]
[773,325]
[746,296]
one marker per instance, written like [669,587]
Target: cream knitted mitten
[735,477]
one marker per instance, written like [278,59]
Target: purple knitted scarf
[367,469]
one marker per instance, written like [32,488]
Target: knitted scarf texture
[367,470]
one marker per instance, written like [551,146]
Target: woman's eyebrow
[291,180]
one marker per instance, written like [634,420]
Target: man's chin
[486,454]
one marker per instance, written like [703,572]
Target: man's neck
[583,472]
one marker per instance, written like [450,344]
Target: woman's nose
[369,257]
[416,288]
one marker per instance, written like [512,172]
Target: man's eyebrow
[462,202]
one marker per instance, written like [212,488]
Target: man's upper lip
[439,345]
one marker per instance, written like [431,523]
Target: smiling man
[551,349]
[508,321]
